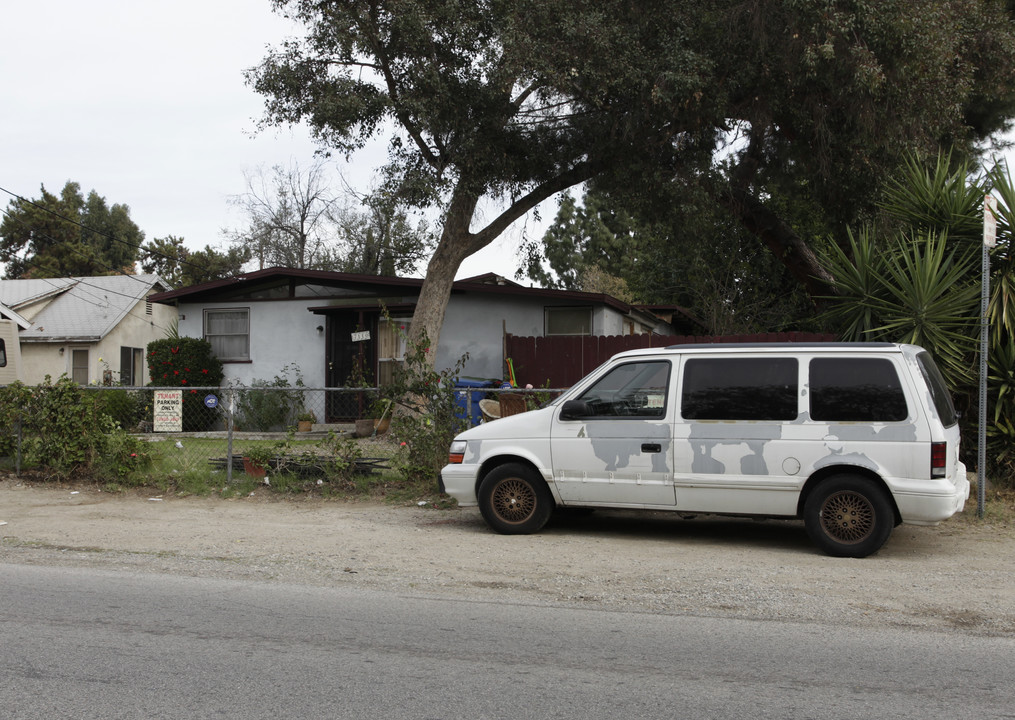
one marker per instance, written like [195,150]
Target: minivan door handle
[651,447]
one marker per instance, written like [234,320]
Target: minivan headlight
[456,455]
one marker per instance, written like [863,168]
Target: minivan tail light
[938,459]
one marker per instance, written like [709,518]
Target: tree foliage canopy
[67,235]
[182,267]
[811,104]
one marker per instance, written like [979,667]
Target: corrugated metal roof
[84,308]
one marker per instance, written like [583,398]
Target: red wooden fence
[562,360]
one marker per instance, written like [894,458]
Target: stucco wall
[282,332]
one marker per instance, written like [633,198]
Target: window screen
[228,331]
[740,389]
[856,390]
[131,366]
[79,366]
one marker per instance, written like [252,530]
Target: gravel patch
[955,577]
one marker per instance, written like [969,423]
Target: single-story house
[93,329]
[330,323]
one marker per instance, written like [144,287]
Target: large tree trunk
[787,246]
[456,244]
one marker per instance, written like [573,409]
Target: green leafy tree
[693,254]
[514,102]
[182,267]
[473,113]
[67,235]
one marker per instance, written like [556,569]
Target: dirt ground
[955,577]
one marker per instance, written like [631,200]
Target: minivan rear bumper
[922,505]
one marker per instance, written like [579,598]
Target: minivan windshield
[938,390]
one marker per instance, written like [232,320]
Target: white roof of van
[767,347]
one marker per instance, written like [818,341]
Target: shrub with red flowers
[186,363]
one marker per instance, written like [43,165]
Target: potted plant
[257,460]
[305,421]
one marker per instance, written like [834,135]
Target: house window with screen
[79,366]
[391,346]
[568,321]
[131,366]
[228,331]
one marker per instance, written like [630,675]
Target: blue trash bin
[467,383]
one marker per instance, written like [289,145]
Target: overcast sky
[145,103]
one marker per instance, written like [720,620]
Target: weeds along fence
[202,430]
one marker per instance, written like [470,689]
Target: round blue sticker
[211,401]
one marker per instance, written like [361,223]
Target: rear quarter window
[938,390]
[852,389]
[740,389]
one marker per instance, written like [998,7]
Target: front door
[621,452]
[351,358]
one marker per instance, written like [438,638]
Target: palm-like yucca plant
[930,300]
[858,281]
[913,290]
[1001,381]
[1002,287]
[923,285]
[938,199]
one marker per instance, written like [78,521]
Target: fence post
[17,454]
[229,437]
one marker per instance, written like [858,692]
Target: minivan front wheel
[848,516]
[514,500]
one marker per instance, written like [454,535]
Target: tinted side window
[856,390]
[938,390]
[635,389]
[740,389]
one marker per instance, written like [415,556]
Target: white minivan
[855,438]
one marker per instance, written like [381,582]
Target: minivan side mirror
[575,410]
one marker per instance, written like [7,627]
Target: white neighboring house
[92,329]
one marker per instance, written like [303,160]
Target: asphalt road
[88,643]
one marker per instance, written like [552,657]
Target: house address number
[361,336]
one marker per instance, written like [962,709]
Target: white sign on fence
[168,411]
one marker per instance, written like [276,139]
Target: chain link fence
[213,429]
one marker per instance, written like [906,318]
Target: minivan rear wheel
[515,500]
[848,516]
